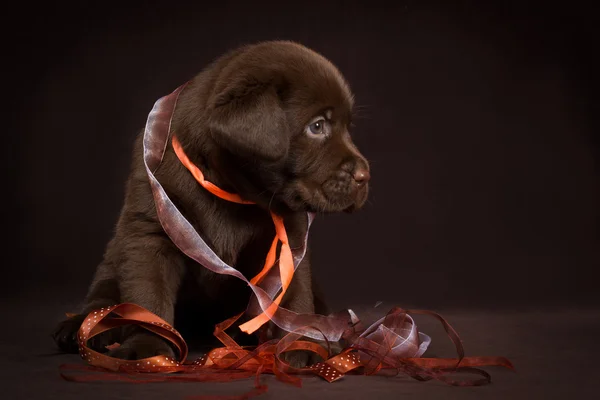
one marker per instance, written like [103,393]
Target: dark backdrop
[477,118]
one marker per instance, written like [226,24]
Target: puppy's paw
[65,334]
[303,358]
[142,345]
[300,358]
[335,348]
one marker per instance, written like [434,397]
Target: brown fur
[243,122]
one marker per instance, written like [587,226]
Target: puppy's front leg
[299,298]
[149,276]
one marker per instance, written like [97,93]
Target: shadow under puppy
[269,122]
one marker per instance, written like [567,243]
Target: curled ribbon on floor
[393,342]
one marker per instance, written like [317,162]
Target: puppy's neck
[213,217]
[234,174]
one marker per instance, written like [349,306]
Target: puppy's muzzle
[348,189]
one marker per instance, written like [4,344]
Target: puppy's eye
[319,127]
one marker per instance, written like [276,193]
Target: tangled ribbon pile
[393,342]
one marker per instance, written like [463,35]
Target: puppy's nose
[361,175]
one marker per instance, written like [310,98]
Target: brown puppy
[268,122]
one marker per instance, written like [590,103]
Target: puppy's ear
[247,118]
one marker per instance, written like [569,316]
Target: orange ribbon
[286,260]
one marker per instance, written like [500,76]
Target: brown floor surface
[553,352]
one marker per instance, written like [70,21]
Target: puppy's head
[279,115]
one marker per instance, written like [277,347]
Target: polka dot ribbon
[98,322]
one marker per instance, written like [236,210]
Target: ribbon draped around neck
[185,237]
[286,260]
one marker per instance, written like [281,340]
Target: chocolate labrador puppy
[267,121]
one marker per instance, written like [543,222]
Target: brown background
[477,119]
[479,123]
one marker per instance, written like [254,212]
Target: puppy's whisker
[360,111]
[261,193]
[271,200]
